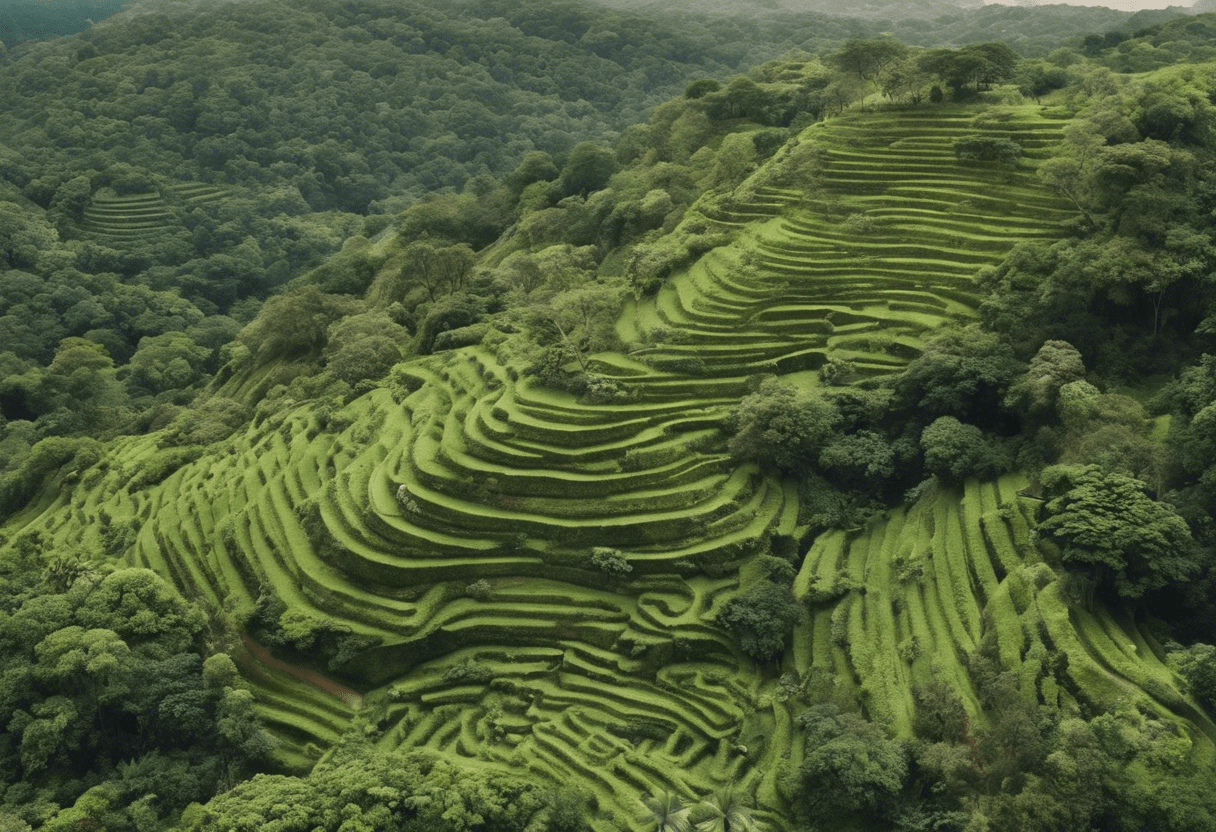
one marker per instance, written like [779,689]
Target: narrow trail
[351,697]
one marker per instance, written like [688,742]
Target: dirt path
[351,697]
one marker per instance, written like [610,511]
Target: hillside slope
[519,577]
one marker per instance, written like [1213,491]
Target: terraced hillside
[119,218]
[884,248]
[531,579]
[933,581]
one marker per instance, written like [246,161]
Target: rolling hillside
[531,580]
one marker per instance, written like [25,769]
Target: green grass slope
[884,247]
[936,579]
[451,520]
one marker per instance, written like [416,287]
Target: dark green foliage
[362,789]
[1055,364]
[19,485]
[588,169]
[1005,152]
[207,422]
[866,57]
[864,458]
[364,346]
[448,313]
[637,730]
[981,65]
[468,673]
[777,570]
[940,716]
[1197,665]
[535,167]
[761,619]
[108,700]
[850,767]
[295,325]
[955,451]
[701,88]
[1146,47]
[610,561]
[963,373]
[1036,78]
[1108,526]
[348,272]
[332,643]
[781,425]
[161,465]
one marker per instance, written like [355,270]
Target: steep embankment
[451,516]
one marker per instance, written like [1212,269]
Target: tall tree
[1107,526]
[866,57]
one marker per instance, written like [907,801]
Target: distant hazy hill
[890,9]
[22,20]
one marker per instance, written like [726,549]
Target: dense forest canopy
[525,409]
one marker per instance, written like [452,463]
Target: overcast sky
[1121,5]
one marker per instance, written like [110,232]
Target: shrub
[18,486]
[1005,152]
[161,465]
[777,570]
[479,589]
[215,419]
[781,425]
[761,619]
[955,451]
[468,672]
[636,730]
[610,561]
[826,592]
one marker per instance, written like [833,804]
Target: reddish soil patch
[351,697]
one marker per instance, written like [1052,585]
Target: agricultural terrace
[530,580]
[116,218]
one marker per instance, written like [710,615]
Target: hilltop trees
[867,57]
[1131,166]
[980,66]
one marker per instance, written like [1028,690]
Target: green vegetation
[109,693]
[790,463]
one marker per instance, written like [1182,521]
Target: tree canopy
[1108,527]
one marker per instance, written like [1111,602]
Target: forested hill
[831,447]
[833,450]
[165,171]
